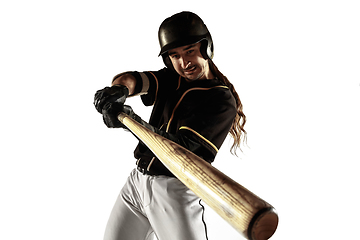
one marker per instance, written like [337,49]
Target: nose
[184,63]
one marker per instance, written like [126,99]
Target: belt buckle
[143,171]
[141,163]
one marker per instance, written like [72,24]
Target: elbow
[125,79]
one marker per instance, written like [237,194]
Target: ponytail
[237,130]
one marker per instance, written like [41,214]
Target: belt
[152,167]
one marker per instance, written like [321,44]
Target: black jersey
[202,110]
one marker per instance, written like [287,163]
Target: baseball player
[195,106]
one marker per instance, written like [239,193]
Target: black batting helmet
[182,29]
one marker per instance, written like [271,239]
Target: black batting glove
[110,113]
[114,94]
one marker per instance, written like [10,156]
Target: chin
[194,76]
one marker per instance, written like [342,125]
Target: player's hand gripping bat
[254,218]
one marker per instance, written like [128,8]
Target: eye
[175,56]
[190,51]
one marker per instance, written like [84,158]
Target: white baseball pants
[156,205]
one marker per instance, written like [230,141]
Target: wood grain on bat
[254,218]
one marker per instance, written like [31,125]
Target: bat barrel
[250,215]
[263,225]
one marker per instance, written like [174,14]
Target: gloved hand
[114,94]
[110,113]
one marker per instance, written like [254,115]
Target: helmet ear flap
[207,49]
[167,61]
[211,50]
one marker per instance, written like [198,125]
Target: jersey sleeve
[208,124]
[160,84]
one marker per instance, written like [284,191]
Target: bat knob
[263,225]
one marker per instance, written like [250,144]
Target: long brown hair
[237,130]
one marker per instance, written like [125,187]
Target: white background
[295,65]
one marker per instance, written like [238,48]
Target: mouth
[189,70]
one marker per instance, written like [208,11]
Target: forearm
[127,80]
[183,138]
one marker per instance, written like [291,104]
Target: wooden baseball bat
[254,218]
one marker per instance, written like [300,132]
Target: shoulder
[211,90]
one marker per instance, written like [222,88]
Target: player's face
[189,63]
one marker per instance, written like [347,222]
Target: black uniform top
[201,110]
